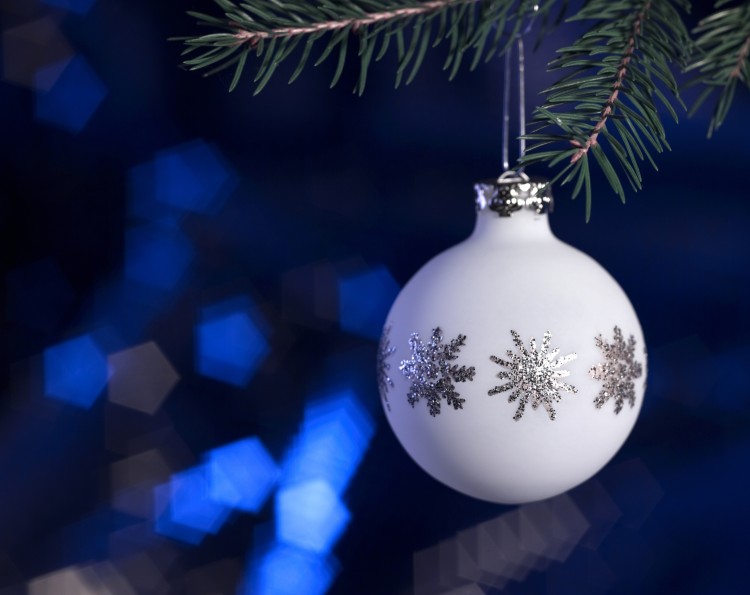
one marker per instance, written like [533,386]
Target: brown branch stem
[621,72]
[253,37]
[741,57]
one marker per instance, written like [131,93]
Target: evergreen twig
[610,93]
[722,58]
[274,29]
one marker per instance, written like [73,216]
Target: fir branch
[610,93]
[606,106]
[253,37]
[273,29]
[722,58]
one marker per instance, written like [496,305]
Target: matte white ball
[512,276]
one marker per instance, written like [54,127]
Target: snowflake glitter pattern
[534,375]
[618,371]
[431,373]
[385,383]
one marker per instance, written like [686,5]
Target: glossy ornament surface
[512,366]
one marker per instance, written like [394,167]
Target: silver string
[521,105]
[521,101]
[506,111]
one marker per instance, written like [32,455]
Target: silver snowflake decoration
[534,375]
[618,371]
[383,366]
[432,372]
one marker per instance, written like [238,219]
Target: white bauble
[470,374]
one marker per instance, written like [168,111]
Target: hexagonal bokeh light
[184,508]
[229,344]
[241,474]
[287,570]
[76,580]
[310,516]
[32,46]
[157,254]
[73,98]
[75,371]
[142,378]
[364,300]
[193,176]
[190,177]
[132,481]
[334,436]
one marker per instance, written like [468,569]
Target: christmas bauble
[512,366]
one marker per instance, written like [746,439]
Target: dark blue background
[334,182]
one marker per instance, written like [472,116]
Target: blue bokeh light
[229,344]
[241,474]
[364,300]
[193,176]
[165,525]
[78,6]
[334,436]
[185,509]
[141,194]
[157,254]
[33,45]
[286,570]
[310,516]
[73,99]
[75,371]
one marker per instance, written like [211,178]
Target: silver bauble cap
[512,192]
